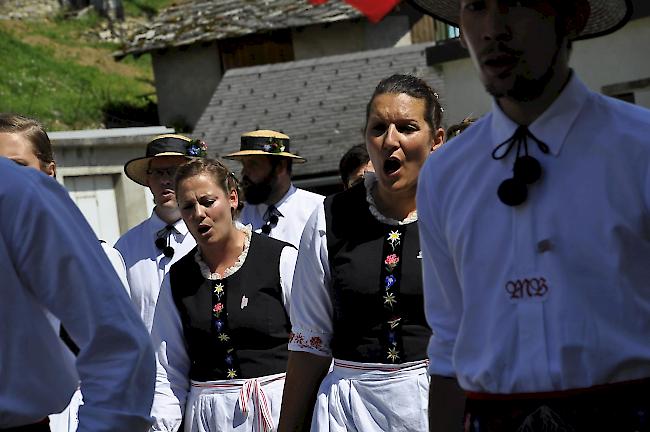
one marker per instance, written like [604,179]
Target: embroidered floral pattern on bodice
[389,284]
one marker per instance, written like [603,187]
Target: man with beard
[150,248]
[534,233]
[274,206]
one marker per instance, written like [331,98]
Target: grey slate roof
[208,20]
[319,103]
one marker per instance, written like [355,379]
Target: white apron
[369,397]
[68,419]
[251,405]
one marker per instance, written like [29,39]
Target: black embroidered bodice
[235,327]
[376,284]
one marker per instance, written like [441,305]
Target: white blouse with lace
[311,304]
[205,270]
[370,182]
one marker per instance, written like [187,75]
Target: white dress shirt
[117,260]
[146,266]
[51,261]
[553,294]
[311,309]
[173,362]
[295,206]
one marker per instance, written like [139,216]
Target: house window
[257,49]
[427,29]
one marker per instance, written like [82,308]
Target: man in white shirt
[51,262]
[534,233]
[274,206]
[150,248]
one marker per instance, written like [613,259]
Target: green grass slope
[55,71]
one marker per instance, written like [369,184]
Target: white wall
[613,59]
[90,164]
[464,93]
[616,58]
[95,197]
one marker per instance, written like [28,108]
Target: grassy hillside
[144,7]
[56,71]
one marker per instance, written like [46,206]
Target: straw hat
[605,17]
[264,142]
[161,146]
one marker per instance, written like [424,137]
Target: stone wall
[28,9]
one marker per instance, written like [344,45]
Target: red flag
[375,10]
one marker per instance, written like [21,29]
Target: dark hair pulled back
[416,88]
[33,131]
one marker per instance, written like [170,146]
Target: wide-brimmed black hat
[163,146]
[264,142]
[605,16]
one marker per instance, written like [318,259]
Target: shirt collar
[157,224]
[553,126]
[261,208]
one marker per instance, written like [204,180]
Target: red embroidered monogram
[527,288]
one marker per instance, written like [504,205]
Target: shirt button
[544,246]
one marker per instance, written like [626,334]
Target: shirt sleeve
[288,259]
[61,262]
[118,264]
[442,292]
[172,363]
[311,305]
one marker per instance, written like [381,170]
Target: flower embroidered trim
[394,322]
[389,299]
[313,342]
[393,354]
[394,238]
[391,262]
[223,344]
[218,290]
[389,287]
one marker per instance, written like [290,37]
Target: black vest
[235,327]
[356,249]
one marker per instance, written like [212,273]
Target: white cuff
[311,342]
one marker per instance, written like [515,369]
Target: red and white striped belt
[250,391]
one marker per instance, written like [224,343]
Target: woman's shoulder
[347,202]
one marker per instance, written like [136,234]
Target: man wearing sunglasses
[535,233]
[150,248]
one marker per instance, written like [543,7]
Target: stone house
[317,93]
[194,43]
[90,164]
